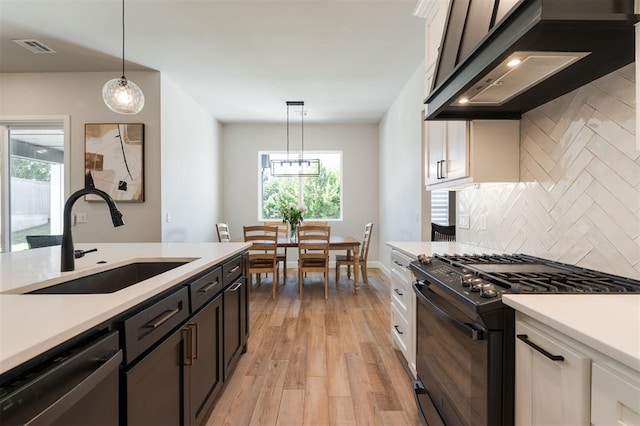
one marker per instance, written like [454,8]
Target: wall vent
[34,46]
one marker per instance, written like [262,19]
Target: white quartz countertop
[31,324]
[414,248]
[609,324]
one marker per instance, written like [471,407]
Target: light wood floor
[317,361]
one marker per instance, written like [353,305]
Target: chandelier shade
[121,95]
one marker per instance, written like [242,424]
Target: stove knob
[488,291]
[465,280]
[476,284]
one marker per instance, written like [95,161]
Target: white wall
[80,96]
[359,144]
[191,168]
[400,179]
[579,196]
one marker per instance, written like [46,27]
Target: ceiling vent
[34,46]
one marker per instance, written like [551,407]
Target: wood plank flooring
[319,362]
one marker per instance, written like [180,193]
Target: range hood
[501,58]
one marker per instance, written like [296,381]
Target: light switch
[463,221]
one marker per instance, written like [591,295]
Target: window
[443,207]
[322,195]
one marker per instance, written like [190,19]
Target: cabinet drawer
[205,288]
[150,325]
[400,293]
[400,331]
[400,263]
[231,270]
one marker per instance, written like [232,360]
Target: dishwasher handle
[68,400]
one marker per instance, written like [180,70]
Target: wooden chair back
[443,233]
[364,248]
[314,223]
[283,227]
[313,253]
[223,232]
[262,257]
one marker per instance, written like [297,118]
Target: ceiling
[240,59]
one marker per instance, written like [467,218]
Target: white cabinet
[584,387]
[403,308]
[615,398]
[464,152]
[552,386]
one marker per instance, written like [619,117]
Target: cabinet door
[457,148]
[615,399]
[549,392]
[436,134]
[206,371]
[156,385]
[234,325]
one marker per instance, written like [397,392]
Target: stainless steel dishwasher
[76,386]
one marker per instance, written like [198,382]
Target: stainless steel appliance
[77,386]
[465,334]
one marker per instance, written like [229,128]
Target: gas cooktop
[484,278]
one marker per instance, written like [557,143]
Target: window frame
[307,154]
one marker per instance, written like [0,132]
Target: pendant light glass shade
[123,96]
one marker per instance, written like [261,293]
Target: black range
[465,334]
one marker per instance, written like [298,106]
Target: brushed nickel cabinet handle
[234,269]
[163,318]
[208,287]
[195,340]
[188,346]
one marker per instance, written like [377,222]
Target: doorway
[33,177]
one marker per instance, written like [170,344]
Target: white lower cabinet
[561,381]
[552,380]
[403,308]
[615,399]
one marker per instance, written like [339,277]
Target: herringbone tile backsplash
[578,200]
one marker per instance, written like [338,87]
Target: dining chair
[313,254]
[283,233]
[223,232]
[349,261]
[443,233]
[262,253]
[314,223]
[35,241]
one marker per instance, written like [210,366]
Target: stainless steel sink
[112,280]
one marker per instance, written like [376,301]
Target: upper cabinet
[459,153]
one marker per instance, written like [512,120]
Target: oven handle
[468,330]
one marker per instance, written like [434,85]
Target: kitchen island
[31,324]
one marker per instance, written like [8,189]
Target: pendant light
[121,95]
[296,166]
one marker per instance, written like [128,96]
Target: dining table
[336,242]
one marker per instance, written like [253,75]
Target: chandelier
[296,166]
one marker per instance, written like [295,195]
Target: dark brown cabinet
[205,371]
[155,386]
[235,324]
[175,379]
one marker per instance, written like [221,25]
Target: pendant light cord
[287,131]
[302,130]
[123,77]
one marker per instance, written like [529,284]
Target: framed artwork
[114,156]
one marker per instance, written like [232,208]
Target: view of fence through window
[322,195]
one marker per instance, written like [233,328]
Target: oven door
[458,363]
